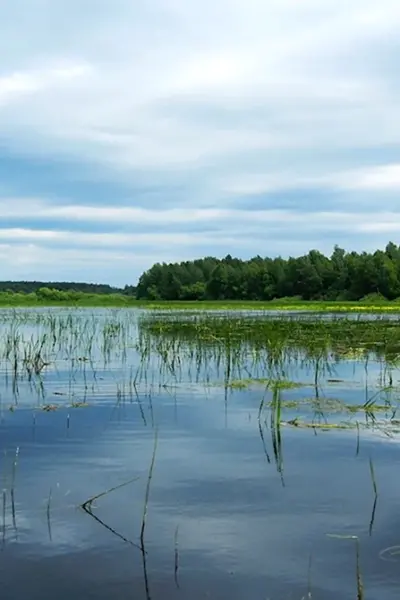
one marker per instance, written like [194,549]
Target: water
[225,519]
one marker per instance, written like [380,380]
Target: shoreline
[203,305]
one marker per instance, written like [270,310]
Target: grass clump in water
[242,384]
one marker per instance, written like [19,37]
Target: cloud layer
[167,130]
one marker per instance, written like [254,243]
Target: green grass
[282,384]
[279,305]
[247,351]
[317,338]
[72,299]
[241,352]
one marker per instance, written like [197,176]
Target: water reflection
[217,520]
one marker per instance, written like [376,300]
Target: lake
[222,456]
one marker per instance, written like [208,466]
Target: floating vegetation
[324,426]
[79,404]
[242,384]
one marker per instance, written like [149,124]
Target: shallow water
[227,517]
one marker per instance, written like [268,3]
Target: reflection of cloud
[211,478]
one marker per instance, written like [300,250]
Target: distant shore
[276,305]
[79,299]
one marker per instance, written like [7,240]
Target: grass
[286,305]
[261,353]
[75,299]
[275,339]
[82,299]
[282,384]
[237,351]
[324,426]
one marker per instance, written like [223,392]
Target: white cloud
[386,177]
[137,217]
[224,228]
[114,114]
[105,239]
[27,261]
[231,98]
[20,83]
[373,178]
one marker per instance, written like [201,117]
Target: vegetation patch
[296,422]
[241,384]
[373,278]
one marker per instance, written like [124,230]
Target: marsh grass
[242,384]
[244,345]
[241,351]
[250,352]
[276,436]
[66,299]
[274,305]
[48,514]
[375,488]
[34,344]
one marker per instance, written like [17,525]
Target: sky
[167,130]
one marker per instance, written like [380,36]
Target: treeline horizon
[342,276]
[33,287]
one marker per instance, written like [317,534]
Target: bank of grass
[65,299]
[286,305]
[48,297]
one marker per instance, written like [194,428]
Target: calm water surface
[225,519]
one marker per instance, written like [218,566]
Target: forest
[29,287]
[343,276]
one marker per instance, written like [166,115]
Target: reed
[88,507]
[48,514]
[359,580]
[147,492]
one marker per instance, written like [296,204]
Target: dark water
[222,521]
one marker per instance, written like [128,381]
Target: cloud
[21,83]
[386,177]
[170,115]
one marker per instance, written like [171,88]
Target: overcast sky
[133,132]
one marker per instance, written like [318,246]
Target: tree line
[314,276]
[29,287]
